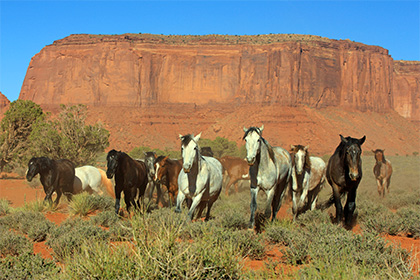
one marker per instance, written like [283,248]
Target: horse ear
[306,148]
[245,129]
[155,155]
[362,140]
[261,128]
[165,158]
[373,151]
[292,147]
[343,139]
[196,138]
[180,136]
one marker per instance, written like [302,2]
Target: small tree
[220,146]
[69,137]
[16,126]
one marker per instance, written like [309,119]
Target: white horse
[200,180]
[91,179]
[308,175]
[270,170]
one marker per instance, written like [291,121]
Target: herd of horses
[197,177]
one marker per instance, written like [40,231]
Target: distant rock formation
[291,70]
[4,104]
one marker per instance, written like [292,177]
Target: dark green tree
[69,137]
[16,126]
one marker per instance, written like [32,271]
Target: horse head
[353,151]
[160,168]
[149,159]
[189,150]
[35,166]
[300,158]
[253,140]
[112,163]
[379,155]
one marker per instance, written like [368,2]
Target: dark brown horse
[344,173]
[166,173]
[56,176]
[130,178]
[237,169]
[382,171]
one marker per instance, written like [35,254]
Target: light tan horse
[382,171]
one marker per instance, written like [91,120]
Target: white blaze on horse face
[300,161]
[252,146]
[188,155]
[156,171]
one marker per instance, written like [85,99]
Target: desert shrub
[316,216]
[34,224]
[279,232]
[40,205]
[232,219]
[121,230]
[4,207]
[409,218]
[13,244]
[84,204]
[367,255]
[116,262]
[67,238]
[105,218]
[378,219]
[27,266]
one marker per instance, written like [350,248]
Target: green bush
[105,218]
[409,218]
[27,266]
[279,232]
[4,207]
[34,224]
[13,244]
[66,239]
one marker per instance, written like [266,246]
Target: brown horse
[169,169]
[56,176]
[130,178]
[344,173]
[237,169]
[382,171]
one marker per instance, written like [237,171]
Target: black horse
[344,173]
[131,177]
[56,176]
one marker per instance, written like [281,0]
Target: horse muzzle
[187,170]
[250,161]
[354,176]
[109,175]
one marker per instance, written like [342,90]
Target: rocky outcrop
[4,104]
[139,70]
[406,89]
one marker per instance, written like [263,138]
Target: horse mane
[270,149]
[307,156]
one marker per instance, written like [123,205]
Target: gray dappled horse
[270,170]
[200,179]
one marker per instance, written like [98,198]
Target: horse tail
[107,183]
[326,204]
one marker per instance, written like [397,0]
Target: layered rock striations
[406,89]
[140,70]
[4,104]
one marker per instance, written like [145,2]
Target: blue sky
[27,26]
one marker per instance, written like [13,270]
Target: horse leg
[294,194]
[229,184]
[379,184]
[117,199]
[279,194]
[196,201]
[159,193]
[253,206]
[201,207]
[350,206]
[388,182]
[305,189]
[57,199]
[48,194]
[179,200]
[337,203]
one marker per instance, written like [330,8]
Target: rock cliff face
[140,70]
[406,89]
[4,104]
